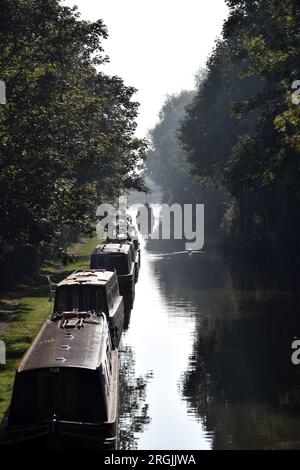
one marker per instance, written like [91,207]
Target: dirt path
[75,250]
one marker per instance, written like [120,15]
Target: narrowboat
[65,393]
[132,240]
[94,290]
[118,256]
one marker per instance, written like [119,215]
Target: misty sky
[157,46]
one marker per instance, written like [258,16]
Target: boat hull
[127,288]
[62,435]
[116,324]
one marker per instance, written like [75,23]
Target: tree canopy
[242,130]
[67,131]
[166,163]
[168,167]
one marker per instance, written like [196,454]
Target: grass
[26,319]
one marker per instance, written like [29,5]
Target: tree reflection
[241,381]
[133,409]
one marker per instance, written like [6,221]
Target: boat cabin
[118,256]
[93,290]
[133,242]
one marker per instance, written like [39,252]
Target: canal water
[206,357]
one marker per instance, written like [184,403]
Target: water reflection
[133,408]
[127,316]
[218,341]
[161,335]
[241,380]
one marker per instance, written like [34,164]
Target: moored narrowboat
[92,290]
[132,240]
[118,256]
[65,392]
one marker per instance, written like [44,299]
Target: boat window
[81,396]
[106,372]
[23,409]
[86,304]
[118,262]
[72,394]
[108,346]
[75,298]
[62,300]
[110,299]
[108,351]
[99,261]
[46,393]
[100,303]
[91,401]
[68,393]
[94,261]
[115,290]
[68,298]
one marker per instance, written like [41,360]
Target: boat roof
[113,248]
[57,346]
[92,277]
[119,241]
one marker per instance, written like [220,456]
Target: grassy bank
[21,323]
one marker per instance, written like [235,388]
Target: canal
[206,357]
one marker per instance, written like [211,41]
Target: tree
[242,130]
[166,162]
[67,132]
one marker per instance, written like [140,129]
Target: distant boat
[131,239]
[118,256]
[65,392]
